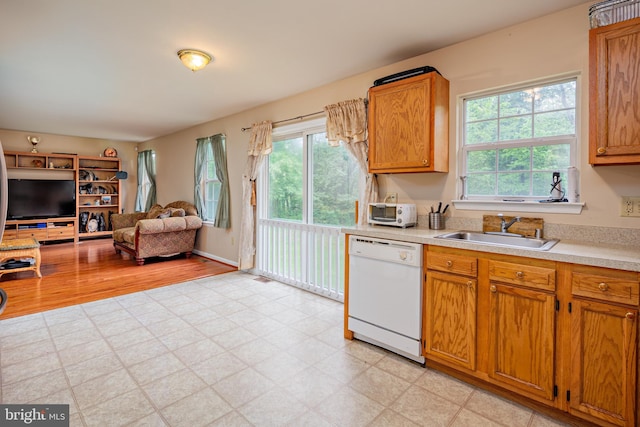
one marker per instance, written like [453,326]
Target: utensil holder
[436,221]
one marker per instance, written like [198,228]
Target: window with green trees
[514,140]
[212,187]
[312,182]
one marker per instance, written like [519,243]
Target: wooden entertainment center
[97,193]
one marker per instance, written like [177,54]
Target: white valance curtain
[260,145]
[347,122]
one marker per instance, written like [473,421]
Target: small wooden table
[20,248]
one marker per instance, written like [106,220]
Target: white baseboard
[215,258]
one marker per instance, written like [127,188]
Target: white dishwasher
[385,294]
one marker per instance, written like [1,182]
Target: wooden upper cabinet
[409,125]
[614,94]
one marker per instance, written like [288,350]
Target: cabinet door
[400,126]
[603,361]
[450,319]
[409,125]
[614,92]
[522,339]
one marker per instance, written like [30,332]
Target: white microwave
[394,214]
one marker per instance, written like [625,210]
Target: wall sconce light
[194,59]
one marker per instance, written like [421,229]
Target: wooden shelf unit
[98,192]
[39,161]
[60,228]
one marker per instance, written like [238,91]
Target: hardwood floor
[91,270]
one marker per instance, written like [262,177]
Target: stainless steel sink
[499,239]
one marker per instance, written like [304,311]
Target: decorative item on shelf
[86,189]
[106,200]
[110,152]
[102,225]
[92,225]
[84,219]
[86,175]
[34,140]
[119,175]
[37,163]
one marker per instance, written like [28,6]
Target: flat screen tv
[41,198]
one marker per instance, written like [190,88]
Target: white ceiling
[108,68]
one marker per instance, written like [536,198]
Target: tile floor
[228,351]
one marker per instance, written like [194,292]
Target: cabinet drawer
[605,288]
[458,264]
[523,275]
[38,233]
[61,232]
[10,234]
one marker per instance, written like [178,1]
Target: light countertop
[578,252]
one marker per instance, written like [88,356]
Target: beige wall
[17,141]
[553,45]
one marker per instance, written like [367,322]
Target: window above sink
[514,139]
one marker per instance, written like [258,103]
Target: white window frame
[211,216]
[299,252]
[296,130]
[516,203]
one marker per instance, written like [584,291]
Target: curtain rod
[291,119]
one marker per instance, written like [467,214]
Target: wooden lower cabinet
[555,335]
[41,229]
[604,342]
[603,361]
[450,319]
[450,301]
[522,339]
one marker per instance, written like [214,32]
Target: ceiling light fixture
[194,59]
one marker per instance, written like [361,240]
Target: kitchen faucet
[504,225]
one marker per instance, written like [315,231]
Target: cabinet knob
[603,287]
[519,274]
[470,284]
[449,263]
[630,316]
[601,150]
[425,162]
[493,288]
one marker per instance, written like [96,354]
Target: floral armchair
[160,232]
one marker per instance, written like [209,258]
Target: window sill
[528,206]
